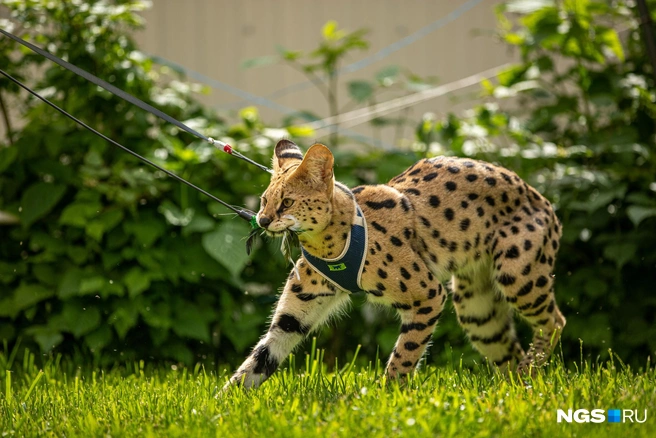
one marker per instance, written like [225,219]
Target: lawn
[303,400]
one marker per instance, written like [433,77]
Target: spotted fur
[444,218]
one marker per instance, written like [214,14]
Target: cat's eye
[287,202]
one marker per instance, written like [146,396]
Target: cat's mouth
[289,240]
[289,232]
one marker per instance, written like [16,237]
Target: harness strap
[345,271]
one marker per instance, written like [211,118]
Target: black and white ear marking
[286,152]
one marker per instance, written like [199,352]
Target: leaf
[78,254]
[38,200]
[595,287]
[7,157]
[291,55]
[9,271]
[198,224]
[45,274]
[300,131]
[611,40]
[146,229]
[93,158]
[251,240]
[388,75]
[488,87]
[27,295]
[178,351]
[360,90]
[620,253]
[95,231]
[513,38]
[7,307]
[103,223]
[70,283]
[638,213]
[157,315]
[80,320]
[124,318]
[91,285]
[226,246]
[158,336]
[98,339]
[174,215]
[196,264]
[330,32]
[640,199]
[511,75]
[136,281]
[46,337]
[239,328]
[242,333]
[189,324]
[259,61]
[592,329]
[600,198]
[384,121]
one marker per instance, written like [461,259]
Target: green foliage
[580,128]
[323,67]
[305,400]
[110,259]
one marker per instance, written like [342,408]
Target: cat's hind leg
[486,317]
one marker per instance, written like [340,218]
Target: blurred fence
[446,40]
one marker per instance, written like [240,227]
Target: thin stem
[5,116]
[375,130]
[333,105]
[400,124]
[312,77]
[587,106]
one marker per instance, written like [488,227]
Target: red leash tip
[227,149]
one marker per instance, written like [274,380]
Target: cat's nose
[264,221]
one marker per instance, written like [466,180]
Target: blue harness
[345,270]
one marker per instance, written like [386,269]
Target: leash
[133,100]
[245,214]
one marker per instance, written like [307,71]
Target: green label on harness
[339,267]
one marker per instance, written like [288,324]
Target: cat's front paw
[244,379]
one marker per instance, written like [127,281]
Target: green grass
[63,400]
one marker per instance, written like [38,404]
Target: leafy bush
[324,67]
[111,260]
[581,129]
[579,125]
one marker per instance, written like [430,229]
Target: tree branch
[648,28]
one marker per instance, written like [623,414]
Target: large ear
[286,153]
[317,166]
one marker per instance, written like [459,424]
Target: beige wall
[213,37]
